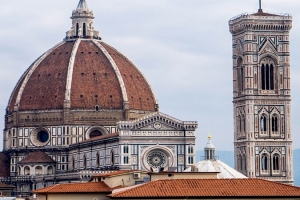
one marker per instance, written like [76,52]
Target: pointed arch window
[264,162]
[263,123]
[240,75]
[84,30]
[276,159]
[275,123]
[77,29]
[267,74]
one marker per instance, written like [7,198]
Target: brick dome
[82,74]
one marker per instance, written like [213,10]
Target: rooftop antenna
[260,10]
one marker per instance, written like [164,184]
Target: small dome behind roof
[211,164]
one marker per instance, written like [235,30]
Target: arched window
[190,150]
[263,123]
[274,123]
[112,157]
[73,163]
[50,170]
[125,149]
[84,30]
[26,170]
[267,74]
[276,162]
[240,75]
[38,170]
[97,160]
[84,162]
[125,159]
[264,162]
[190,159]
[95,133]
[77,29]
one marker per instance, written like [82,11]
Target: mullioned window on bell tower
[240,75]
[267,74]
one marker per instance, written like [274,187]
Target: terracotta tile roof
[209,188]
[37,157]
[102,137]
[89,187]
[4,165]
[120,172]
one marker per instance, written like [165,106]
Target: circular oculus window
[39,137]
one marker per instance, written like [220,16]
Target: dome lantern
[82,23]
[209,150]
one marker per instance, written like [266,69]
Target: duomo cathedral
[83,108]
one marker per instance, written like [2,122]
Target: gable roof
[89,187]
[209,188]
[37,157]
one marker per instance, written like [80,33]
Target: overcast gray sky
[182,46]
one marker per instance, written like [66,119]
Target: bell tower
[262,95]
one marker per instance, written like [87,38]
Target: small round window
[42,136]
[39,137]
[95,133]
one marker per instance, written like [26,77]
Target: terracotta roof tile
[37,157]
[209,188]
[4,165]
[89,187]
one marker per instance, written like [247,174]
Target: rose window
[156,159]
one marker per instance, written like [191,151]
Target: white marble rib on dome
[224,170]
